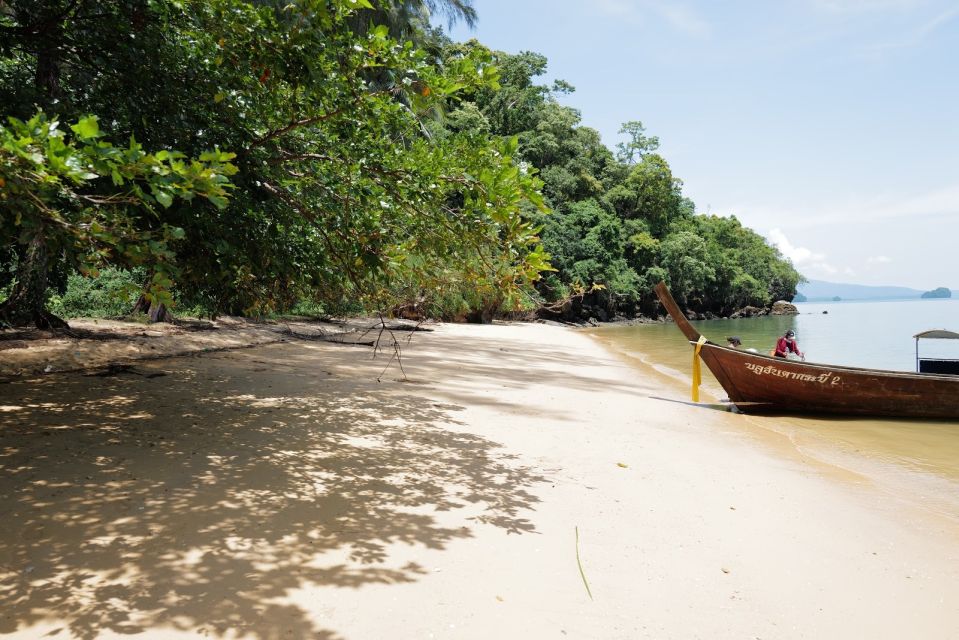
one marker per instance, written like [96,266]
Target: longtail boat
[757,383]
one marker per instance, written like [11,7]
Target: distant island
[822,291]
[941,292]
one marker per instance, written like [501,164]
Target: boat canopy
[936,365]
[937,333]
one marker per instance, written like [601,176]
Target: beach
[512,480]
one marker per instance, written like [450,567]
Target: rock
[749,312]
[783,308]
[481,316]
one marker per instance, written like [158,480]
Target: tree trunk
[49,40]
[47,77]
[27,302]
[485,314]
[155,312]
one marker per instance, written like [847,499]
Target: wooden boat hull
[762,384]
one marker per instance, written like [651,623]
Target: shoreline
[302,489]
[908,462]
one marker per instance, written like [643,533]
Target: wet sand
[915,462]
[304,490]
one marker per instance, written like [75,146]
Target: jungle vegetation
[618,221]
[255,156]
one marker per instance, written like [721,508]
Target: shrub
[113,292]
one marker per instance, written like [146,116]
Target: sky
[831,127]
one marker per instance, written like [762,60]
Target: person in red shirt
[788,343]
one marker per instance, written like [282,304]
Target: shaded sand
[96,343]
[283,492]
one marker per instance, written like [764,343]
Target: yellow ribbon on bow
[697,372]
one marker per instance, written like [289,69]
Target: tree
[649,193]
[637,146]
[377,164]
[340,193]
[632,196]
[684,256]
[81,197]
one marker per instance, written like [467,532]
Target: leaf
[164,198]
[87,128]
[218,201]
[216,156]
[580,565]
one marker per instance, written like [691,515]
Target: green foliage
[341,193]
[685,257]
[467,118]
[347,195]
[588,246]
[638,145]
[622,223]
[96,203]
[367,164]
[112,293]
[649,193]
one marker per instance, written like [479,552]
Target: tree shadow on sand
[201,499]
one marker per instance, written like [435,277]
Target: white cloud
[798,255]
[901,250]
[802,258]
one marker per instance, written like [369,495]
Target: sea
[915,460]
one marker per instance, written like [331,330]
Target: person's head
[734,341]
[790,334]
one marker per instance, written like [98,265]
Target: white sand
[283,492]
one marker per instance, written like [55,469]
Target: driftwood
[116,368]
[405,327]
[338,337]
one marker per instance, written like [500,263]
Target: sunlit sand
[305,490]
